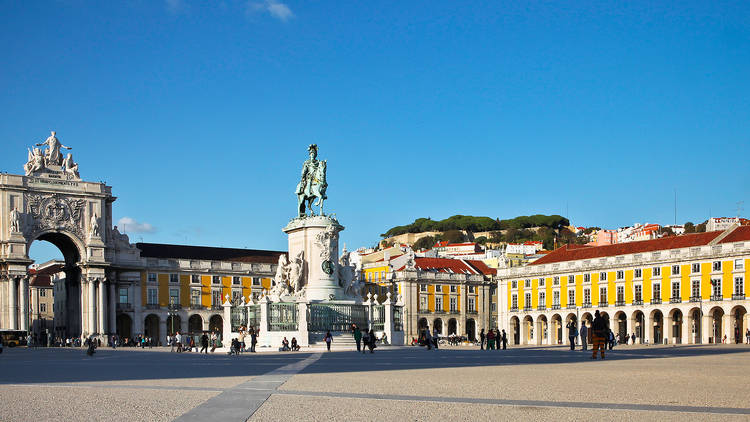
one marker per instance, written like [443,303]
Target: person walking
[599,332]
[584,336]
[505,340]
[371,344]
[747,335]
[428,339]
[170,342]
[204,344]
[178,340]
[491,340]
[328,339]
[481,340]
[611,338]
[632,337]
[358,338]
[253,340]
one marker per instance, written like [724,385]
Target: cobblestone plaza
[405,383]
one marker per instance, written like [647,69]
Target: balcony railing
[738,297]
[514,308]
[194,307]
[541,308]
[717,298]
[603,304]
[152,306]
[124,307]
[573,306]
[695,298]
[638,302]
[526,308]
[656,301]
[620,303]
[586,305]
[555,306]
[217,308]
[474,311]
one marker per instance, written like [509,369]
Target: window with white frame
[696,268]
[717,266]
[571,297]
[216,279]
[423,303]
[675,269]
[454,304]
[675,289]
[256,281]
[716,287]
[42,292]
[514,284]
[174,278]
[620,274]
[603,295]
[556,298]
[656,290]
[602,276]
[587,296]
[423,288]
[739,286]
[216,297]
[527,283]
[236,281]
[638,293]
[195,297]
[587,278]
[472,289]
[151,277]
[236,294]
[620,294]
[42,307]
[438,303]
[453,289]
[514,301]
[471,305]
[556,281]
[527,300]
[123,295]
[695,291]
[739,264]
[152,296]
[542,299]
[541,282]
[195,278]
[571,279]
[174,296]
[638,273]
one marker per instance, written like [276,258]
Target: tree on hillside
[426,242]
[689,227]
[454,236]
[700,228]
[482,240]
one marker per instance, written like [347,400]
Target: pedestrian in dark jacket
[599,331]
[481,339]
[358,338]
[505,340]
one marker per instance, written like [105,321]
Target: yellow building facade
[685,289]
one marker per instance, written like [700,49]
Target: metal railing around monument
[238,317]
[378,317]
[282,317]
[253,317]
[336,317]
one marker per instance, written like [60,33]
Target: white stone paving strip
[240,402]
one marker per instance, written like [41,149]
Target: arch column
[706,328]
[12,303]
[162,331]
[112,306]
[648,329]
[90,306]
[101,307]
[727,326]
[24,303]
[667,323]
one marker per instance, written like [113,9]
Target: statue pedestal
[318,238]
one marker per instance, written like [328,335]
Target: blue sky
[198,114]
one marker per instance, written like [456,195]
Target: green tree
[482,240]
[422,243]
[689,227]
[454,236]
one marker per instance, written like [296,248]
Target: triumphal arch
[51,202]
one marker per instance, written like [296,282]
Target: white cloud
[274,8]
[129,225]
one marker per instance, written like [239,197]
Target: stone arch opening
[173,324]
[695,326]
[528,330]
[717,324]
[657,326]
[739,323]
[151,328]
[195,324]
[638,321]
[452,327]
[71,296]
[437,327]
[471,329]
[515,330]
[621,327]
[675,329]
[124,326]
[587,319]
[542,328]
[557,329]
[216,323]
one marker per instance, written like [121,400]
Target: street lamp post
[172,312]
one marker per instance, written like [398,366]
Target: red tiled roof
[40,280]
[740,234]
[458,266]
[576,252]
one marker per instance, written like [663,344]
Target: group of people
[287,347]
[365,341]
[493,339]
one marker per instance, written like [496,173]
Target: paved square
[549,383]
